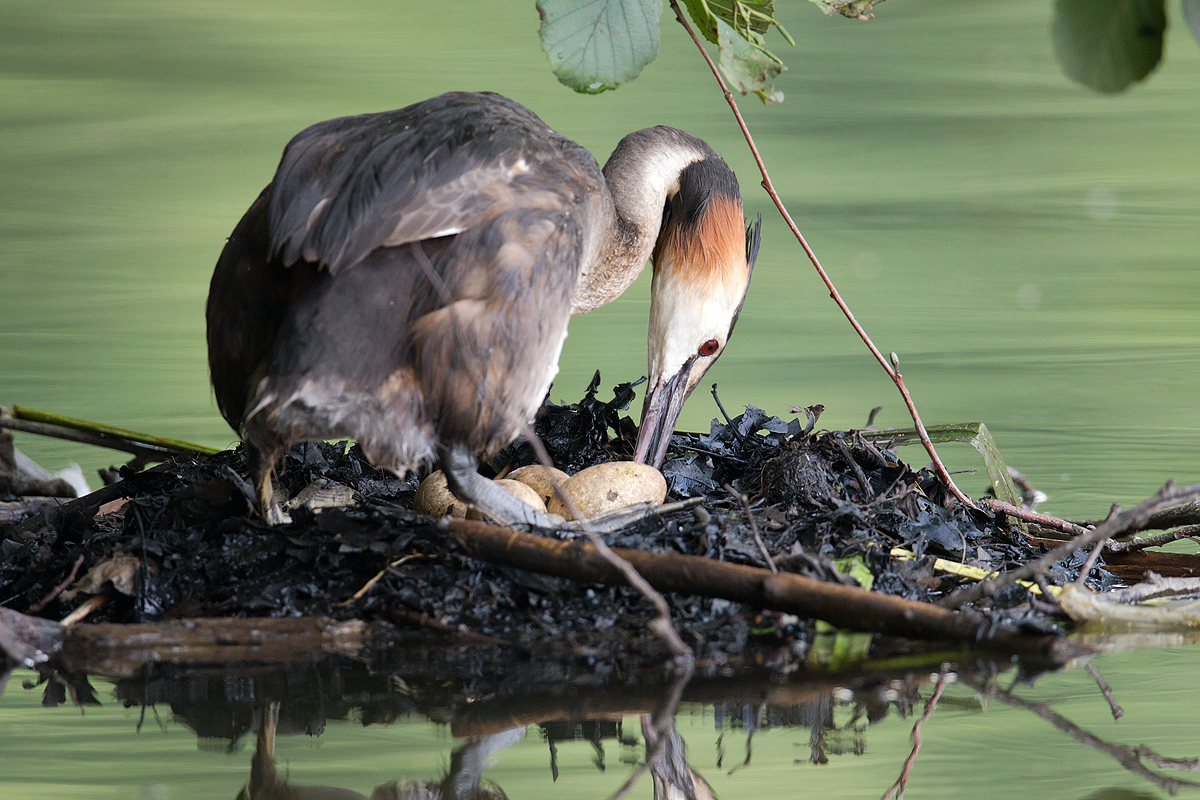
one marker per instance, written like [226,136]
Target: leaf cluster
[596,45]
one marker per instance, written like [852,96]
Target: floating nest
[179,541]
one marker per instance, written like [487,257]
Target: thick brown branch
[1186,514]
[121,650]
[844,606]
[1133,565]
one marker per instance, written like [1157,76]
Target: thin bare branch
[762,547]
[661,625]
[377,578]
[1105,690]
[660,730]
[1114,526]
[864,482]
[1128,757]
[897,789]
[57,590]
[1028,515]
[1186,532]
[892,372]
[1086,569]
[84,610]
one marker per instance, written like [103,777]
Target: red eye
[709,347]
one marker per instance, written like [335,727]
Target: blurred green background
[1026,246]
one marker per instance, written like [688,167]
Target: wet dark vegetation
[776,525]
[179,542]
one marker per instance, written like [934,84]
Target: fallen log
[120,650]
[842,606]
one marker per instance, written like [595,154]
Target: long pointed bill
[660,410]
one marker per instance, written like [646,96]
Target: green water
[1027,247]
[970,749]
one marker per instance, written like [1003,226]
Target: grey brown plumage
[407,277]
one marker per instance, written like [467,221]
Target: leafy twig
[892,368]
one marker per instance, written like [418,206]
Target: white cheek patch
[683,316]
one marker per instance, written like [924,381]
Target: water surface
[1026,246]
[972,747]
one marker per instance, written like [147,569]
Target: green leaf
[856,567]
[1106,45]
[855,9]
[703,16]
[596,45]
[748,68]
[754,16]
[737,27]
[1191,13]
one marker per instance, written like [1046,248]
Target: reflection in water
[674,778]
[1137,760]
[489,716]
[463,781]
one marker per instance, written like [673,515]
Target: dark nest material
[178,541]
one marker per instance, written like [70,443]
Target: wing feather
[348,186]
